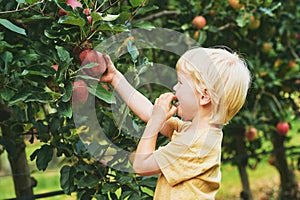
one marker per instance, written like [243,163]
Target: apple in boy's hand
[91,56]
[199,21]
[80,92]
[251,134]
[283,128]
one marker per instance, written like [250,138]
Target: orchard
[51,60]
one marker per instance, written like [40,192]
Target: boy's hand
[111,71]
[162,110]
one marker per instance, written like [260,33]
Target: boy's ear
[205,98]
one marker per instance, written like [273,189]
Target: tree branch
[22,9]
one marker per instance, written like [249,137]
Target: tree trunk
[288,185]
[23,183]
[242,164]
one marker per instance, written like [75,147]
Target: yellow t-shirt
[190,165]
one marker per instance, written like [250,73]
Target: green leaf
[7,56]
[68,92]
[146,9]
[63,54]
[36,18]
[110,17]
[133,51]
[12,27]
[202,37]
[88,66]
[135,3]
[43,156]
[242,20]
[6,94]
[67,175]
[22,95]
[144,25]
[88,181]
[77,21]
[39,70]
[30,93]
[110,27]
[109,187]
[31,1]
[102,94]
[96,16]
[65,109]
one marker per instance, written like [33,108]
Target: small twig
[226,26]
[292,50]
[274,98]
[159,14]
[135,11]
[110,5]
[257,99]
[22,9]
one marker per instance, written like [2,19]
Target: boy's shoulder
[200,136]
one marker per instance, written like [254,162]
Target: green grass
[263,180]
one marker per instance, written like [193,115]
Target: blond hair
[225,76]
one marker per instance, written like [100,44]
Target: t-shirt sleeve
[179,161]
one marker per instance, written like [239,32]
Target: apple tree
[42,56]
[47,68]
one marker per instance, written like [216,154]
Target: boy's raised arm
[137,102]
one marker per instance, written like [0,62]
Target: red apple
[251,134]
[80,92]
[62,12]
[91,56]
[283,128]
[292,64]
[254,23]
[271,160]
[234,4]
[266,47]
[87,11]
[199,21]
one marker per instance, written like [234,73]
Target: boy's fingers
[108,60]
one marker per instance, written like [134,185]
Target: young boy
[212,87]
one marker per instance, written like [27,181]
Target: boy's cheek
[179,111]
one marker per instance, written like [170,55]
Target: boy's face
[187,96]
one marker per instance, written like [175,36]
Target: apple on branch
[283,128]
[80,92]
[251,133]
[199,22]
